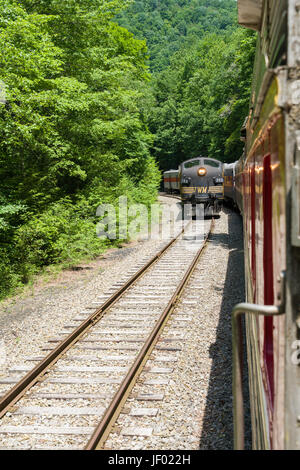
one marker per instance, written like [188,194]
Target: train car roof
[250,13]
[201,157]
[230,165]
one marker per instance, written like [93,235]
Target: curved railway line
[80,369]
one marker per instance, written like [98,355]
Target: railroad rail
[144,301]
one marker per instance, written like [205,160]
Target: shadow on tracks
[217,431]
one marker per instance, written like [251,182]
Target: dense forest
[84,119]
[170,25]
[199,103]
[201,63]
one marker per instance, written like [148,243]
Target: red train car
[268,192]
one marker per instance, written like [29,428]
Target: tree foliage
[71,133]
[201,100]
[169,25]
[202,67]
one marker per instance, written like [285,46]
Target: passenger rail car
[229,182]
[232,186]
[171,182]
[267,180]
[201,182]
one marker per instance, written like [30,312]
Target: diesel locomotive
[201,182]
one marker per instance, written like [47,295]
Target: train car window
[212,163]
[191,164]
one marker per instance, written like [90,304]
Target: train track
[124,329]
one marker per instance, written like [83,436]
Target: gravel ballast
[196,412]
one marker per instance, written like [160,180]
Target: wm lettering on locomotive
[202,189]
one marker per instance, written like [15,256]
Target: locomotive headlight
[202,171]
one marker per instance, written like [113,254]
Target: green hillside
[201,62]
[200,101]
[167,25]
